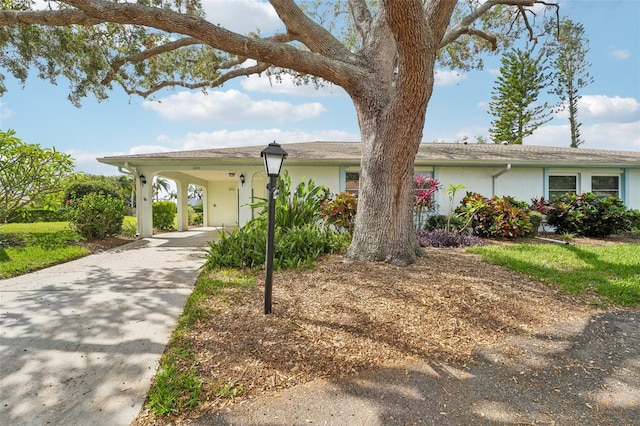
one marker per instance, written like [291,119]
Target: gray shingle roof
[428,154]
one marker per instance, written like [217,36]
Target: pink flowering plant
[423,203]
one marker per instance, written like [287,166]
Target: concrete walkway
[80,341]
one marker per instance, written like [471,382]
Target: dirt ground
[448,340]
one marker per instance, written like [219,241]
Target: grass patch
[177,385]
[27,247]
[20,260]
[611,271]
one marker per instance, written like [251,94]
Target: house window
[605,185]
[352,182]
[560,185]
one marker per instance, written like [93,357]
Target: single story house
[230,177]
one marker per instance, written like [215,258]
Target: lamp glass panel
[273,164]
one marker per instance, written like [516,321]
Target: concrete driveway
[80,341]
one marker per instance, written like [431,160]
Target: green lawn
[611,271]
[26,247]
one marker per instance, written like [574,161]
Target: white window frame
[612,191]
[564,190]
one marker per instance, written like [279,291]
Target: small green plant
[129,229]
[567,237]
[164,213]
[174,391]
[451,191]
[96,216]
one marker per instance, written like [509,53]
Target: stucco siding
[328,176]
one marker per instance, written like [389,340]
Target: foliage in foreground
[300,236]
[612,271]
[177,385]
[294,247]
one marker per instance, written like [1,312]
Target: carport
[229,179]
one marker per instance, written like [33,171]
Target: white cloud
[231,106]
[448,77]
[611,136]
[243,16]
[605,108]
[621,53]
[287,86]
[5,113]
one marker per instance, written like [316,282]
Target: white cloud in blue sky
[620,53]
[230,106]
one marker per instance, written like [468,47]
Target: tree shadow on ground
[588,375]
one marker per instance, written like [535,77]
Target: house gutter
[497,175]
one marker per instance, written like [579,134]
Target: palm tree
[158,184]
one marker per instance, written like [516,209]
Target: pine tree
[522,78]
[570,74]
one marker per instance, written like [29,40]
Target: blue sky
[251,111]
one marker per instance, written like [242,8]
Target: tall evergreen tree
[571,72]
[522,78]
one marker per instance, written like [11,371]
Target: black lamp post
[273,156]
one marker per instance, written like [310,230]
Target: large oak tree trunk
[391,137]
[391,114]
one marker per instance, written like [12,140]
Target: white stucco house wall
[230,177]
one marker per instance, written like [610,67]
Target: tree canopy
[28,172]
[383,54]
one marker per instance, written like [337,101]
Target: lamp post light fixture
[273,156]
[242,179]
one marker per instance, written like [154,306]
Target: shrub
[29,215]
[588,215]
[80,190]
[634,220]
[444,238]
[295,208]
[441,221]
[495,217]
[164,213]
[96,216]
[294,247]
[341,211]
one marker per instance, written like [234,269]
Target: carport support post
[271,220]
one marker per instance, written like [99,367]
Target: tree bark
[391,115]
